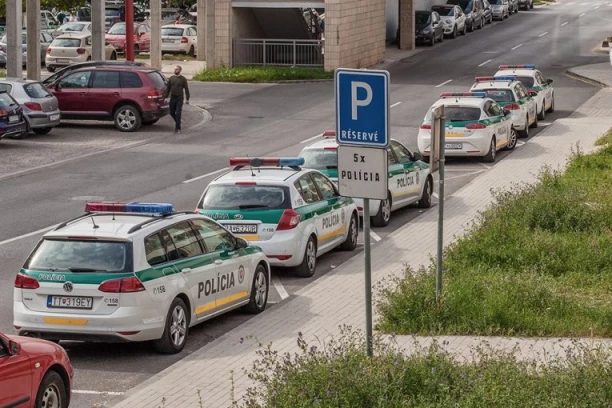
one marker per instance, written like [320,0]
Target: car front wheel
[259,291]
[425,201]
[511,140]
[127,118]
[52,392]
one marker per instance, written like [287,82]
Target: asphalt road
[43,185]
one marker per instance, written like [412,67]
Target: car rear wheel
[492,154]
[552,105]
[127,118]
[350,243]
[113,56]
[511,140]
[309,264]
[542,113]
[432,42]
[50,68]
[535,123]
[525,131]
[175,333]
[425,201]
[42,131]
[259,291]
[464,29]
[382,218]
[191,52]
[52,392]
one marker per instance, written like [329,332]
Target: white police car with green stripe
[475,126]
[135,272]
[511,95]
[293,214]
[410,179]
[533,79]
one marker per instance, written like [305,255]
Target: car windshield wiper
[82,269]
[245,206]
[331,167]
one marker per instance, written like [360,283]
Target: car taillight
[184,40]
[475,126]
[289,220]
[154,95]
[426,126]
[125,285]
[33,106]
[81,50]
[26,282]
[48,50]
[3,113]
[512,106]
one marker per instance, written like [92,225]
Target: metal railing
[269,51]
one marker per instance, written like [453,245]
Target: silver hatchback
[40,107]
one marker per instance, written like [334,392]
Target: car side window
[540,78]
[88,41]
[520,93]
[495,109]
[3,350]
[185,240]
[76,80]
[391,159]
[215,238]
[325,186]
[403,155]
[154,250]
[305,186]
[130,80]
[105,79]
[171,251]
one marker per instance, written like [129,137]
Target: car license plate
[62,60]
[242,228]
[13,118]
[453,134]
[70,302]
[54,117]
[167,40]
[458,146]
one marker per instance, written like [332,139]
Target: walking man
[176,85]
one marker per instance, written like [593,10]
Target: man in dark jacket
[177,84]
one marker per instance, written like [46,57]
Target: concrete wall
[280,23]
[355,32]
[246,25]
[392,11]
[223,33]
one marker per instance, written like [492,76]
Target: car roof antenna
[250,167]
[94,222]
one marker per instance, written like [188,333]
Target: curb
[585,79]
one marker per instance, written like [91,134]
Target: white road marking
[444,83]
[375,236]
[490,52]
[90,392]
[212,173]
[596,7]
[520,143]
[311,138]
[564,24]
[585,4]
[518,46]
[280,288]
[543,34]
[581,14]
[569,4]
[484,165]
[544,123]
[29,234]
[435,195]
[396,104]
[484,63]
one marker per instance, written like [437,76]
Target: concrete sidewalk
[337,298]
[599,74]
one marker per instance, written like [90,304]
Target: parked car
[53,78]
[112,16]
[142,37]
[72,27]
[39,106]
[453,18]
[45,40]
[473,12]
[173,15]
[500,9]
[179,39]
[428,27]
[513,6]
[34,373]
[526,4]
[488,11]
[130,96]
[12,122]
[82,13]
[68,49]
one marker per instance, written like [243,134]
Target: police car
[293,214]
[475,126]
[533,79]
[135,272]
[410,179]
[512,95]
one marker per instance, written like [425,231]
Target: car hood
[421,27]
[115,37]
[33,346]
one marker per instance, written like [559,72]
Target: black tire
[350,243]
[191,52]
[89,58]
[136,49]
[442,37]
[308,266]
[534,125]
[432,42]
[50,68]
[172,343]
[524,132]
[382,218]
[42,131]
[51,392]
[471,29]
[511,140]
[425,201]
[454,34]
[542,114]
[492,154]
[127,118]
[552,105]
[113,56]
[25,133]
[149,122]
[464,29]
[259,291]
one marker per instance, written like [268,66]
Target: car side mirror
[13,348]
[106,43]
[549,81]
[58,86]
[417,156]
[241,243]
[533,92]
[507,112]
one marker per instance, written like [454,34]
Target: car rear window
[117,29]
[526,80]
[6,88]
[500,95]
[66,42]
[244,197]
[6,100]
[36,90]
[70,255]
[461,113]
[158,80]
[320,159]
[172,32]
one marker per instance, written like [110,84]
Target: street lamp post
[129,30]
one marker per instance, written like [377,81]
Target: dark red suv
[130,96]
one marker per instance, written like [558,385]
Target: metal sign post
[437,161]
[362,133]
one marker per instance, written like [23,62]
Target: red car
[33,373]
[142,37]
[130,96]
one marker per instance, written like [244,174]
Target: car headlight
[426,30]
[449,21]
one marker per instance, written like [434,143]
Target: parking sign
[362,107]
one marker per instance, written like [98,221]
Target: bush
[262,74]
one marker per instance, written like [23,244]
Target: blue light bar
[505,78]
[291,161]
[149,208]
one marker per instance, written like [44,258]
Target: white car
[78,27]
[293,214]
[136,272]
[69,49]
[179,39]
[410,179]
[453,18]
[511,95]
[475,126]
[533,79]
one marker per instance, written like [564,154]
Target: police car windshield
[80,256]
[500,95]
[245,197]
[320,159]
[461,113]
[526,80]
[444,11]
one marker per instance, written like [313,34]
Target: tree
[58,4]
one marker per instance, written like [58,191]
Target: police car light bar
[463,95]
[505,78]
[329,133]
[524,66]
[134,207]
[484,79]
[267,161]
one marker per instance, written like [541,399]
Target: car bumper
[473,145]
[518,119]
[64,61]
[148,116]
[498,14]
[12,130]
[289,243]
[176,48]
[44,119]
[421,38]
[374,206]
[448,29]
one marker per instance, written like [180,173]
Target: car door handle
[115,93]
[218,262]
[83,93]
[186,270]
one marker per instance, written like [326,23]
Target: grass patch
[537,264]
[165,57]
[2,73]
[605,139]
[262,74]
[341,375]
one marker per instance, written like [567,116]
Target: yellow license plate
[453,134]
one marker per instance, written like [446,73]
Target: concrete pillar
[98,31]
[156,54]
[211,36]
[14,23]
[406,25]
[33,39]
[202,30]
